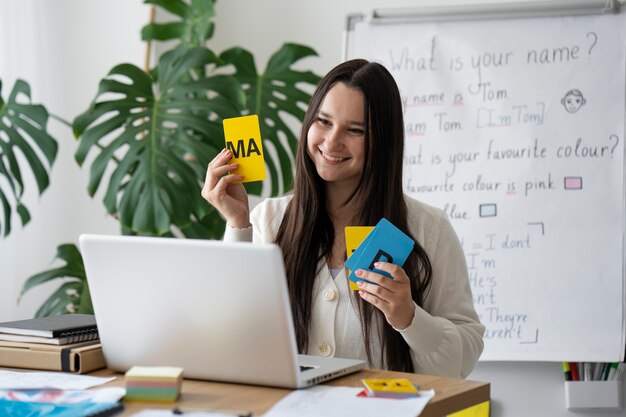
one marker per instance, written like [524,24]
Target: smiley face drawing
[573,101]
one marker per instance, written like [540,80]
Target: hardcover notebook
[54,330]
[218,310]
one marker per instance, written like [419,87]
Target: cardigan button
[325,349]
[329,294]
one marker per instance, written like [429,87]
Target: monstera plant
[148,136]
[23,131]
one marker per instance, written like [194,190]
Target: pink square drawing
[573,183]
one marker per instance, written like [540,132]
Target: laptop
[219,310]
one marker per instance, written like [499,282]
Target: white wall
[64,47]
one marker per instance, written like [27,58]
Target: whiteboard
[515,127]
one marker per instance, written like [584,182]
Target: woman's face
[336,139]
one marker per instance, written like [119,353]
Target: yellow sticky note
[354,236]
[243,138]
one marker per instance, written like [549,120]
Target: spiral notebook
[53,330]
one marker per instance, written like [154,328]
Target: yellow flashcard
[354,236]
[243,138]
[390,386]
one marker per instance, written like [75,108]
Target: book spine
[78,336]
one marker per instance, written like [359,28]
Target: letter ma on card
[386,243]
[243,138]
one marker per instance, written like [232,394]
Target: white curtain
[62,48]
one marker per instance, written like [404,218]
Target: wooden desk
[450,394]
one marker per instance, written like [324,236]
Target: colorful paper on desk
[386,243]
[37,409]
[243,138]
[61,403]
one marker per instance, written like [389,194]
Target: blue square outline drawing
[488,210]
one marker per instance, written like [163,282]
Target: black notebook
[63,327]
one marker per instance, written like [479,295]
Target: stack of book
[68,342]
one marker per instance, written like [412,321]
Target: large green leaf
[195,27]
[23,130]
[73,294]
[156,136]
[271,95]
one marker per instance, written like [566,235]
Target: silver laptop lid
[219,310]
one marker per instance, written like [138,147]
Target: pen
[597,372]
[567,372]
[587,371]
[605,371]
[574,369]
[619,374]
[611,374]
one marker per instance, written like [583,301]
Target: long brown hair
[306,234]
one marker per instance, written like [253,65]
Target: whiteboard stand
[351,20]
[594,395]
[508,10]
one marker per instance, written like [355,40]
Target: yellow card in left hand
[243,138]
[354,236]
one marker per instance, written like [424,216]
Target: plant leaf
[72,291]
[73,268]
[157,135]
[24,143]
[272,95]
[60,300]
[210,226]
[194,29]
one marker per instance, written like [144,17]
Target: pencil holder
[589,395]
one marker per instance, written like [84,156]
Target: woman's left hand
[391,296]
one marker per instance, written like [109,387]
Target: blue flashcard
[386,243]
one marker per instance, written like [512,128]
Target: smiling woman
[336,140]
[422,320]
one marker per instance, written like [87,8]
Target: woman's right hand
[227,196]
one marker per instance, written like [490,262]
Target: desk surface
[450,394]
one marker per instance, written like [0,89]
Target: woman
[349,172]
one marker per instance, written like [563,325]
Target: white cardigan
[445,335]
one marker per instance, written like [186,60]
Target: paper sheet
[340,401]
[170,413]
[99,395]
[59,380]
